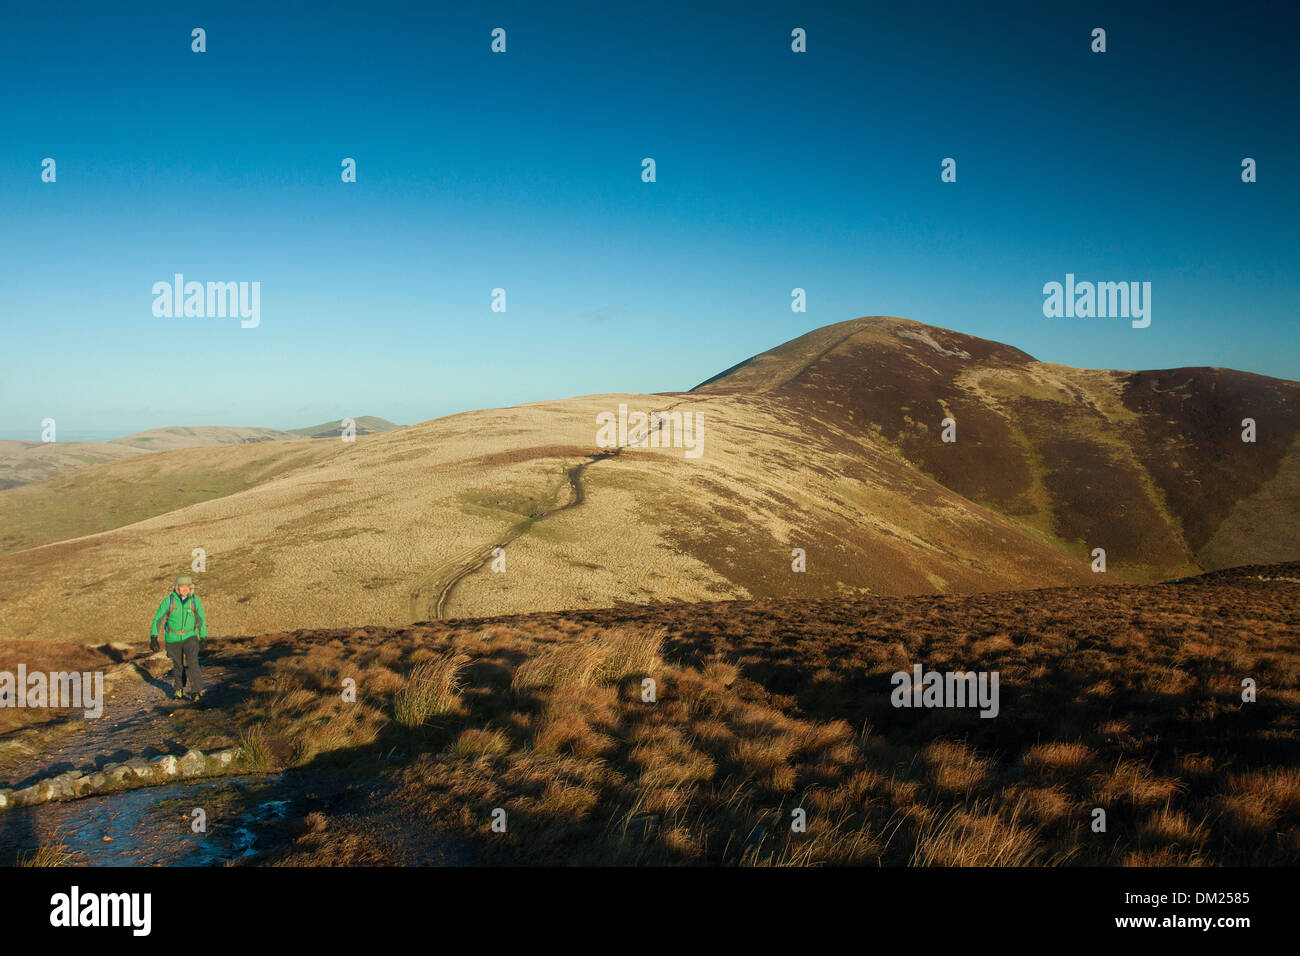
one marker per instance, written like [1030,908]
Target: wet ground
[199,823]
[238,818]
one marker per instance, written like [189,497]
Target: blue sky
[523,171]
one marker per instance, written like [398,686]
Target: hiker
[185,626]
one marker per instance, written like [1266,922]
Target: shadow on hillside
[1124,698]
[18,837]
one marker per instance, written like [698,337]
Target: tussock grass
[1256,802]
[631,652]
[432,690]
[480,742]
[14,754]
[1135,784]
[52,852]
[612,656]
[574,665]
[721,672]
[1173,827]
[566,731]
[983,835]
[954,767]
[255,750]
[1058,758]
[1279,788]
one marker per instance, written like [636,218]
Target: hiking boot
[178,695]
[197,696]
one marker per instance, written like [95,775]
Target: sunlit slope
[23,462]
[386,529]
[107,496]
[726,525]
[1146,465]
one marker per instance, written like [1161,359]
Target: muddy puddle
[155,826]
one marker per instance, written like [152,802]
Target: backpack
[171,603]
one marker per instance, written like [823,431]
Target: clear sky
[522,170]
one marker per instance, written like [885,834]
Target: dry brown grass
[1173,827]
[1256,802]
[432,690]
[1133,784]
[255,752]
[953,767]
[574,665]
[765,709]
[52,852]
[610,656]
[1059,759]
[631,652]
[299,554]
[981,836]
[478,742]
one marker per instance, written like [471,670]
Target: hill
[365,425]
[25,462]
[400,526]
[1148,465]
[200,436]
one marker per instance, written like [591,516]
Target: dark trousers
[185,661]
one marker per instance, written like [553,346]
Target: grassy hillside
[100,498]
[378,530]
[24,462]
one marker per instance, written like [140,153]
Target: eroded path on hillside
[147,825]
[429,600]
[137,721]
[245,816]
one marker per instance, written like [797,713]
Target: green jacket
[184,619]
